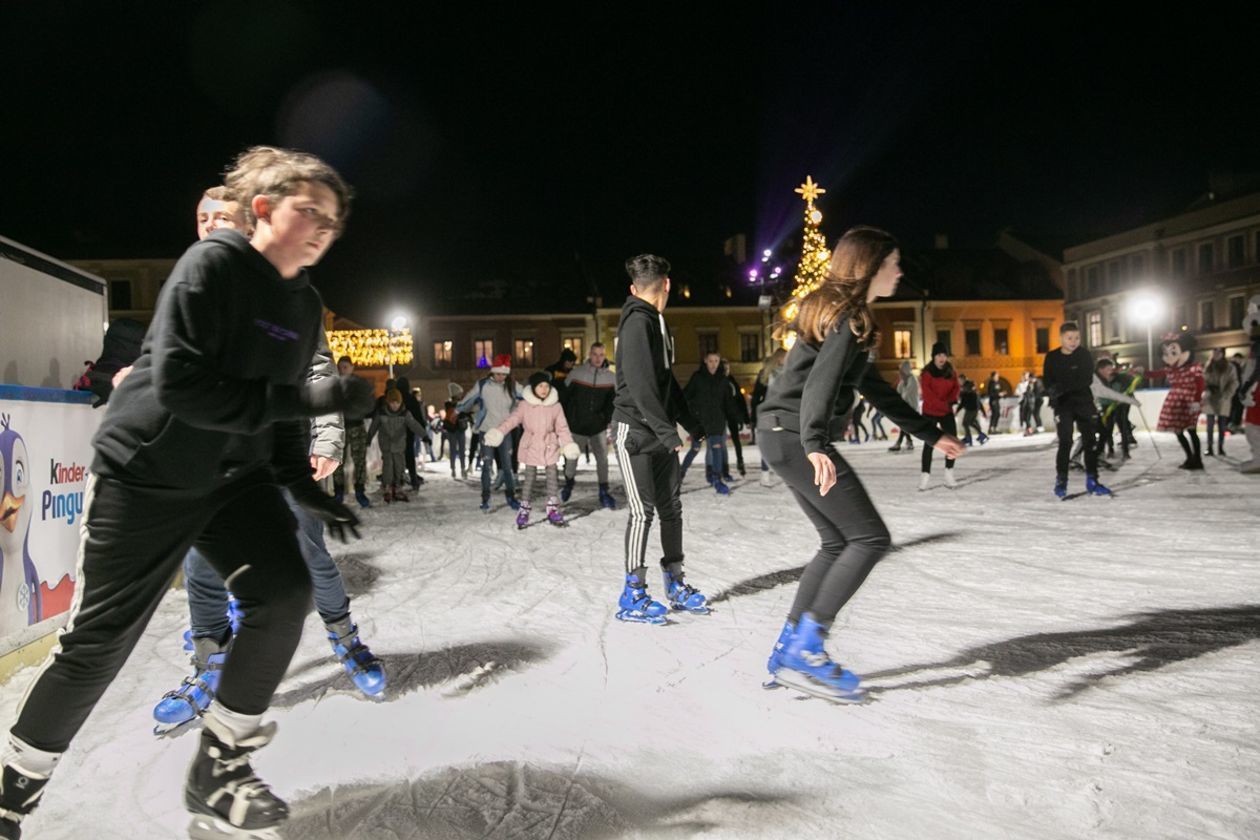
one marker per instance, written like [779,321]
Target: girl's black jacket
[215,392]
[814,393]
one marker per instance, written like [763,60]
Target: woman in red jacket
[938,387]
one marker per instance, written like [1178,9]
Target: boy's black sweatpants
[652,479]
[132,542]
[1082,413]
[854,536]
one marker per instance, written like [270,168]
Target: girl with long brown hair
[804,415]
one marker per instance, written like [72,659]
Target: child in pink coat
[546,438]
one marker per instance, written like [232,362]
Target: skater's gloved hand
[494,437]
[348,394]
[334,514]
[1194,408]
[571,451]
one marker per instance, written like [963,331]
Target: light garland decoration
[372,348]
[811,271]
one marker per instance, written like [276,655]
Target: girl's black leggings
[852,533]
[949,427]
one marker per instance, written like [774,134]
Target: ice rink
[1037,669]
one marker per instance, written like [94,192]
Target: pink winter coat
[546,431]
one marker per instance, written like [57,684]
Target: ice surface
[1038,669]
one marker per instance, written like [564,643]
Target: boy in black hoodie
[647,407]
[1068,374]
[195,448]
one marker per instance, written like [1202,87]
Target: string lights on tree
[815,260]
[372,348]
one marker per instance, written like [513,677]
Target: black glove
[334,514]
[349,394]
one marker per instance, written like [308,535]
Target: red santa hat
[502,364]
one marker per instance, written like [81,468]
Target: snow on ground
[1038,669]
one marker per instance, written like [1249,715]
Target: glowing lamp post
[396,326]
[1146,307]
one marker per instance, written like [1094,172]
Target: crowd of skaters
[212,447]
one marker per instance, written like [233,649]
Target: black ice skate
[226,799]
[19,794]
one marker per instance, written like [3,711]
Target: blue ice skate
[805,666]
[682,596]
[367,672]
[566,492]
[188,702]
[721,488]
[361,498]
[1093,488]
[1060,487]
[776,656]
[606,499]
[637,606]
[234,614]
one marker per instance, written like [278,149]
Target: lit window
[1094,320]
[443,354]
[901,344]
[525,352]
[483,352]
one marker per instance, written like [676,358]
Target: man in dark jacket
[413,407]
[588,409]
[708,394]
[646,410]
[559,370]
[356,447]
[1069,376]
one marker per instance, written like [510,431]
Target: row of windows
[971,341]
[1100,278]
[1205,321]
[524,352]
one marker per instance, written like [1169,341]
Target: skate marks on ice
[511,799]
[357,573]
[460,668]
[782,577]
[1149,641]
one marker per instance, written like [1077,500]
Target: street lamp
[1146,307]
[396,325]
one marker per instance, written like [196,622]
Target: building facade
[1201,266]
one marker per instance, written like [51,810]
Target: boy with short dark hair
[647,407]
[1068,373]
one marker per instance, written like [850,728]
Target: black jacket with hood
[814,394]
[214,393]
[648,398]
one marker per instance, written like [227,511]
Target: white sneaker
[924,480]
[950,481]
[766,479]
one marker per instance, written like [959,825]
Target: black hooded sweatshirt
[214,393]
[833,371]
[648,397]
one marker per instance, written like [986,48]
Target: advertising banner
[45,454]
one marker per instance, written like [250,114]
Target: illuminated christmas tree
[815,256]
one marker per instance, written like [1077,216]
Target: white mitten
[493,438]
[571,451]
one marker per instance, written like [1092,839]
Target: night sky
[527,146]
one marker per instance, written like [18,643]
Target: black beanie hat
[938,348]
[567,355]
[538,378]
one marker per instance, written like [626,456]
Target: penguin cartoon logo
[20,594]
